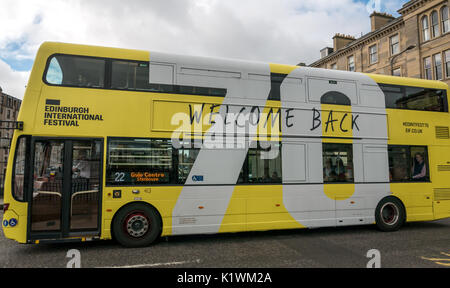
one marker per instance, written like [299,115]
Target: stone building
[415,44]
[9,108]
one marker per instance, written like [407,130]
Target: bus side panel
[266,210]
[442,207]
[18,211]
[162,198]
[440,168]
[235,217]
[19,231]
[417,200]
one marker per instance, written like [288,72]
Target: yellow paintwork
[265,209]
[418,198]
[282,68]
[19,210]
[252,207]
[386,79]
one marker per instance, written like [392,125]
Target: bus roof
[406,81]
[93,51]
[50,48]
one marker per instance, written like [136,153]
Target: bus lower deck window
[408,163]
[337,163]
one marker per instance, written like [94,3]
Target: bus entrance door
[66,188]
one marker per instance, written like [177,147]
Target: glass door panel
[85,184]
[47,185]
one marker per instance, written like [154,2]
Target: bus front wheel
[390,214]
[136,225]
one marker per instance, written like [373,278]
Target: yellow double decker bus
[133,145]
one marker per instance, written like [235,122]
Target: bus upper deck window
[130,75]
[335,98]
[415,98]
[76,71]
[54,73]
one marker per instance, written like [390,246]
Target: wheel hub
[136,225]
[389,213]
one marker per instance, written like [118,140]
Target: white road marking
[154,264]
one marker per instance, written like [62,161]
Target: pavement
[1,203]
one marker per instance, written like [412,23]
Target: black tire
[136,225]
[390,214]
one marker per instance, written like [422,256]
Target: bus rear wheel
[390,214]
[136,225]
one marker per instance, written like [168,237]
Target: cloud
[285,31]
[12,82]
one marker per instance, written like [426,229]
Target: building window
[447,63]
[408,163]
[444,19]
[351,63]
[425,29]
[395,45]
[397,72]
[333,66]
[337,162]
[373,55]
[437,62]
[434,24]
[427,68]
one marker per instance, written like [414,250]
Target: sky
[277,31]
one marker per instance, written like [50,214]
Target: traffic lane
[412,246]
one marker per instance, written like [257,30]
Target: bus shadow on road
[242,237]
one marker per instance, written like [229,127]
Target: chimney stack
[341,40]
[378,20]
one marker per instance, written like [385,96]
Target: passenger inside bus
[407,164]
[419,168]
[349,170]
[82,168]
[329,173]
[275,177]
[340,170]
